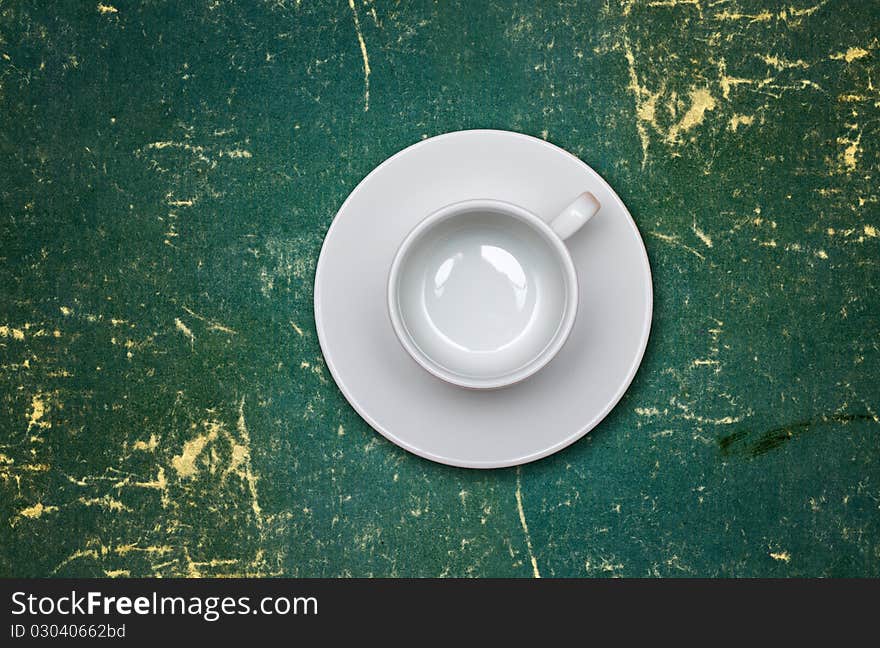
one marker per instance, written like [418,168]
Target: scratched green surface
[168,171]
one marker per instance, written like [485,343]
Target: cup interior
[482,294]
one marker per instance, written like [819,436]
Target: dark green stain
[749,444]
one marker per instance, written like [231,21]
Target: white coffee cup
[483,293]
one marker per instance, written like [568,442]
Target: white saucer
[421,413]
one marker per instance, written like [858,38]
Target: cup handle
[575,216]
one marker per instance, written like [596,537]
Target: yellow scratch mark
[707,362]
[297,329]
[646,101]
[764,16]
[871,231]
[107,9]
[106,502]
[147,446]
[364,55]
[185,463]
[771,243]
[702,236]
[198,152]
[799,13]
[123,550]
[849,156]
[822,254]
[14,333]
[183,328]
[850,55]
[522,520]
[36,511]
[740,120]
[726,81]
[241,457]
[673,240]
[688,415]
[647,110]
[191,569]
[160,483]
[182,203]
[647,411]
[315,369]
[782,556]
[781,63]
[340,431]
[76,555]
[765,85]
[236,154]
[217,562]
[39,408]
[67,312]
[7,466]
[724,420]
[701,102]
[673,3]
[212,325]
[117,573]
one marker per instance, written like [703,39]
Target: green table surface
[168,172]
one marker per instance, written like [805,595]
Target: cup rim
[525,370]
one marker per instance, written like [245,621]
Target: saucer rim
[527,458]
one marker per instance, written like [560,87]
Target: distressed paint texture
[169,171]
